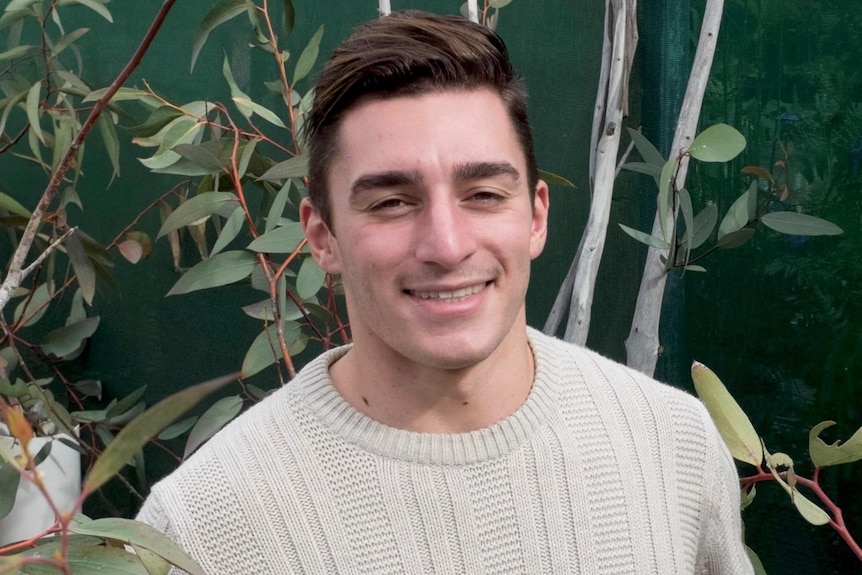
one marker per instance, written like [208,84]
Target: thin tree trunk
[642,345]
[473,10]
[384,8]
[620,41]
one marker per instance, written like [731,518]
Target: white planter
[61,473]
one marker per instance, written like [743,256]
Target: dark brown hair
[409,53]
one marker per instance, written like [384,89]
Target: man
[449,437]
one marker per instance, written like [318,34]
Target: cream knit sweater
[601,471]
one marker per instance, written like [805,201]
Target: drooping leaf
[823,455]
[738,215]
[246,103]
[67,339]
[240,98]
[757,171]
[197,208]
[111,140]
[11,204]
[83,267]
[755,561]
[308,57]
[178,428]
[645,238]
[281,240]
[123,94]
[295,167]
[648,152]
[265,350]
[213,419]
[688,220]
[498,3]
[146,426]
[644,168]
[32,106]
[202,156]
[131,250]
[221,269]
[126,403]
[735,239]
[310,278]
[797,224]
[288,20]
[16,52]
[809,511]
[718,143]
[704,223]
[68,40]
[221,12]
[668,173]
[9,481]
[277,207]
[555,179]
[732,423]
[97,7]
[34,307]
[230,230]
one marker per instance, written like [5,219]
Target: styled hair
[409,53]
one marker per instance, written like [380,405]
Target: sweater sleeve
[153,514]
[721,549]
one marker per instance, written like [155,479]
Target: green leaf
[11,564]
[141,535]
[229,231]
[694,268]
[277,207]
[32,105]
[755,561]
[498,3]
[288,20]
[221,12]
[310,278]
[245,103]
[35,306]
[9,203]
[648,152]
[688,219]
[15,52]
[221,269]
[281,240]
[239,97]
[645,238]
[718,143]
[96,7]
[213,419]
[823,455]
[554,179]
[126,403]
[797,224]
[732,423]
[668,173]
[111,140]
[265,350]
[123,94]
[9,481]
[68,339]
[644,168]
[146,426]
[738,215]
[83,267]
[295,167]
[704,223]
[201,155]
[68,40]
[735,239]
[308,57]
[809,511]
[178,428]
[198,208]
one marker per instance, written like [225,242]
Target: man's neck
[424,399]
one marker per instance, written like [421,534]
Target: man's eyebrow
[390,179]
[480,170]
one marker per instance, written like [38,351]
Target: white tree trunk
[473,10]
[384,7]
[642,345]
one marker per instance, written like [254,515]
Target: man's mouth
[457,294]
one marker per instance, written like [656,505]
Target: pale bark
[384,7]
[620,41]
[473,10]
[642,345]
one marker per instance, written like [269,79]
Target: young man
[449,437]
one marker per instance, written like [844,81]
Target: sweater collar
[498,440]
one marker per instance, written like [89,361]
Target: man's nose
[446,236]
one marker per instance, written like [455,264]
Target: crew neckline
[497,440]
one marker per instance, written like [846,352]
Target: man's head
[409,53]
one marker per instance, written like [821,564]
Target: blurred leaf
[221,269]
[797,224]
[213,419]
[823,455]
[126,403]
[281,240]
[178,428]
[265,350]
[732,423]
[32,106]
[203,157]
[11,204]
[16,52]
[96,7]
[67,339]
[645,238]
[295,167]
[747,496]
[230,230]
[755,561]
[643,168]
[154,564]
[648,152]
[89,388]
[86,559]
[288,20]
[308,57]
[310,278]
[688,220]
[498,3]
[554,179]
[221,12]
[83,267]
[197,208]
[35,306]
[131,250]
[735,239]
[757,171]
[112,142]
[11,564]
[704,223]
[718,143]
[738,216]
[124,94]
[146,426]
[9,481]
[68,40]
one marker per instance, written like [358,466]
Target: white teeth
[456,294]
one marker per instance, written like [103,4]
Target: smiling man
[448,437]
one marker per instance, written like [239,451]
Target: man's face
[433,229]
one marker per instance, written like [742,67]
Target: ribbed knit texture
[602,471]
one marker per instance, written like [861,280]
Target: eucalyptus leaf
[265,350]
[122,94]
[16,52]
[67,339]
[665,189]
[221,269]
[823,455]
[97,7]
[295,167]
[310,278]
[126,403]
[277,207]
[178,428]
[732,423]
[34,306]
[84,269]
[735,239]
[308,57]
[111,141]
[213,419]
[555,179]
[704,224]
[230,230]
[643,168]
[797,224]
[688,219]
[221,12]
[718,143]
[197,208]
[202,156]
[645,238]
[9,481]
[32,107]
[146,426]
[738,216]
[281,240]
[288,20]
[648,152]
[11,204]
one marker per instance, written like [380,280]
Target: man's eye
[486,196]
[387,205]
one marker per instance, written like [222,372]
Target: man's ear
[539,231]
[321,241]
